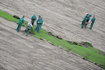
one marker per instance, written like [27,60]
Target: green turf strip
[90,54]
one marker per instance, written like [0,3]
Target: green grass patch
[10,17]
[89,53]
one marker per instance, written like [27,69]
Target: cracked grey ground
[18,52]
[65,16]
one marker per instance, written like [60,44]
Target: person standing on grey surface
[33,19]
[84,20]
[92,22]
[87,20]
[39,24]
[21,21]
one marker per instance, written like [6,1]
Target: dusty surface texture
[18,52]
[63,17]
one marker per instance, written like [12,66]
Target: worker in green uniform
[84,20]
[92,22]
[33,19]
[28,29]
[39,24]
[21,21]
[87,20]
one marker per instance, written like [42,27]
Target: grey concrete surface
[18,52]
[63,17]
